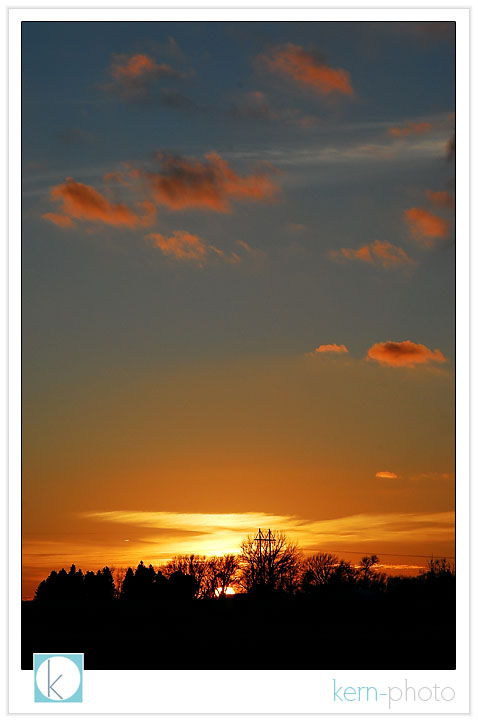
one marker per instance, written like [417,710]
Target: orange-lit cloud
[404,353]
[210,184]
[426,226]
[181,183]
[330,348]
[181,245]
[132,67]
[423,476]
[307,69]
[82,202]
[59,220]
[442,199]
[221,533]
[360,254]
[133,76]
[378,253]
[388,255]
[410,129]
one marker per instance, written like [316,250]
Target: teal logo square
[58,677]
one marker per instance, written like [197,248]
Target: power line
[388,554]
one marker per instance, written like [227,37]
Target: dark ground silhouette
[321,613]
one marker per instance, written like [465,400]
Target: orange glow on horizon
[163,535]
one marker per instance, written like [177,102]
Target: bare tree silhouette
[318,569]
[274,566]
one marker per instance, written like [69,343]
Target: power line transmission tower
[266,542]
[260,539]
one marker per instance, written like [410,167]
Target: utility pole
[266,542]
[260,539]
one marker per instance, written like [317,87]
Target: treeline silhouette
[279,568]
[284,604]
[76,586]
[184,577]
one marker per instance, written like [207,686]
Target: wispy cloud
[404,353]
[79,136]
[181,245]
[186,246]
[377,253]
[422,32]
[433,476]
[411,128]
[220,533]
[254,253]
[307,69]
[424,476]
[255,105]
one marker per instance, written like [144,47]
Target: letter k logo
[50,685]
[58,677]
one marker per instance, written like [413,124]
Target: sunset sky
[238,290]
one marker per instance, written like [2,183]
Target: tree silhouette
[218,573]
[368,576]
[76,586]
[127,587]
[439,569]
[344,575]
[227,568]
[318,570]
[275,567]
[439,575]
[107,585]
[182,586]
[366,564]
[191,565]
